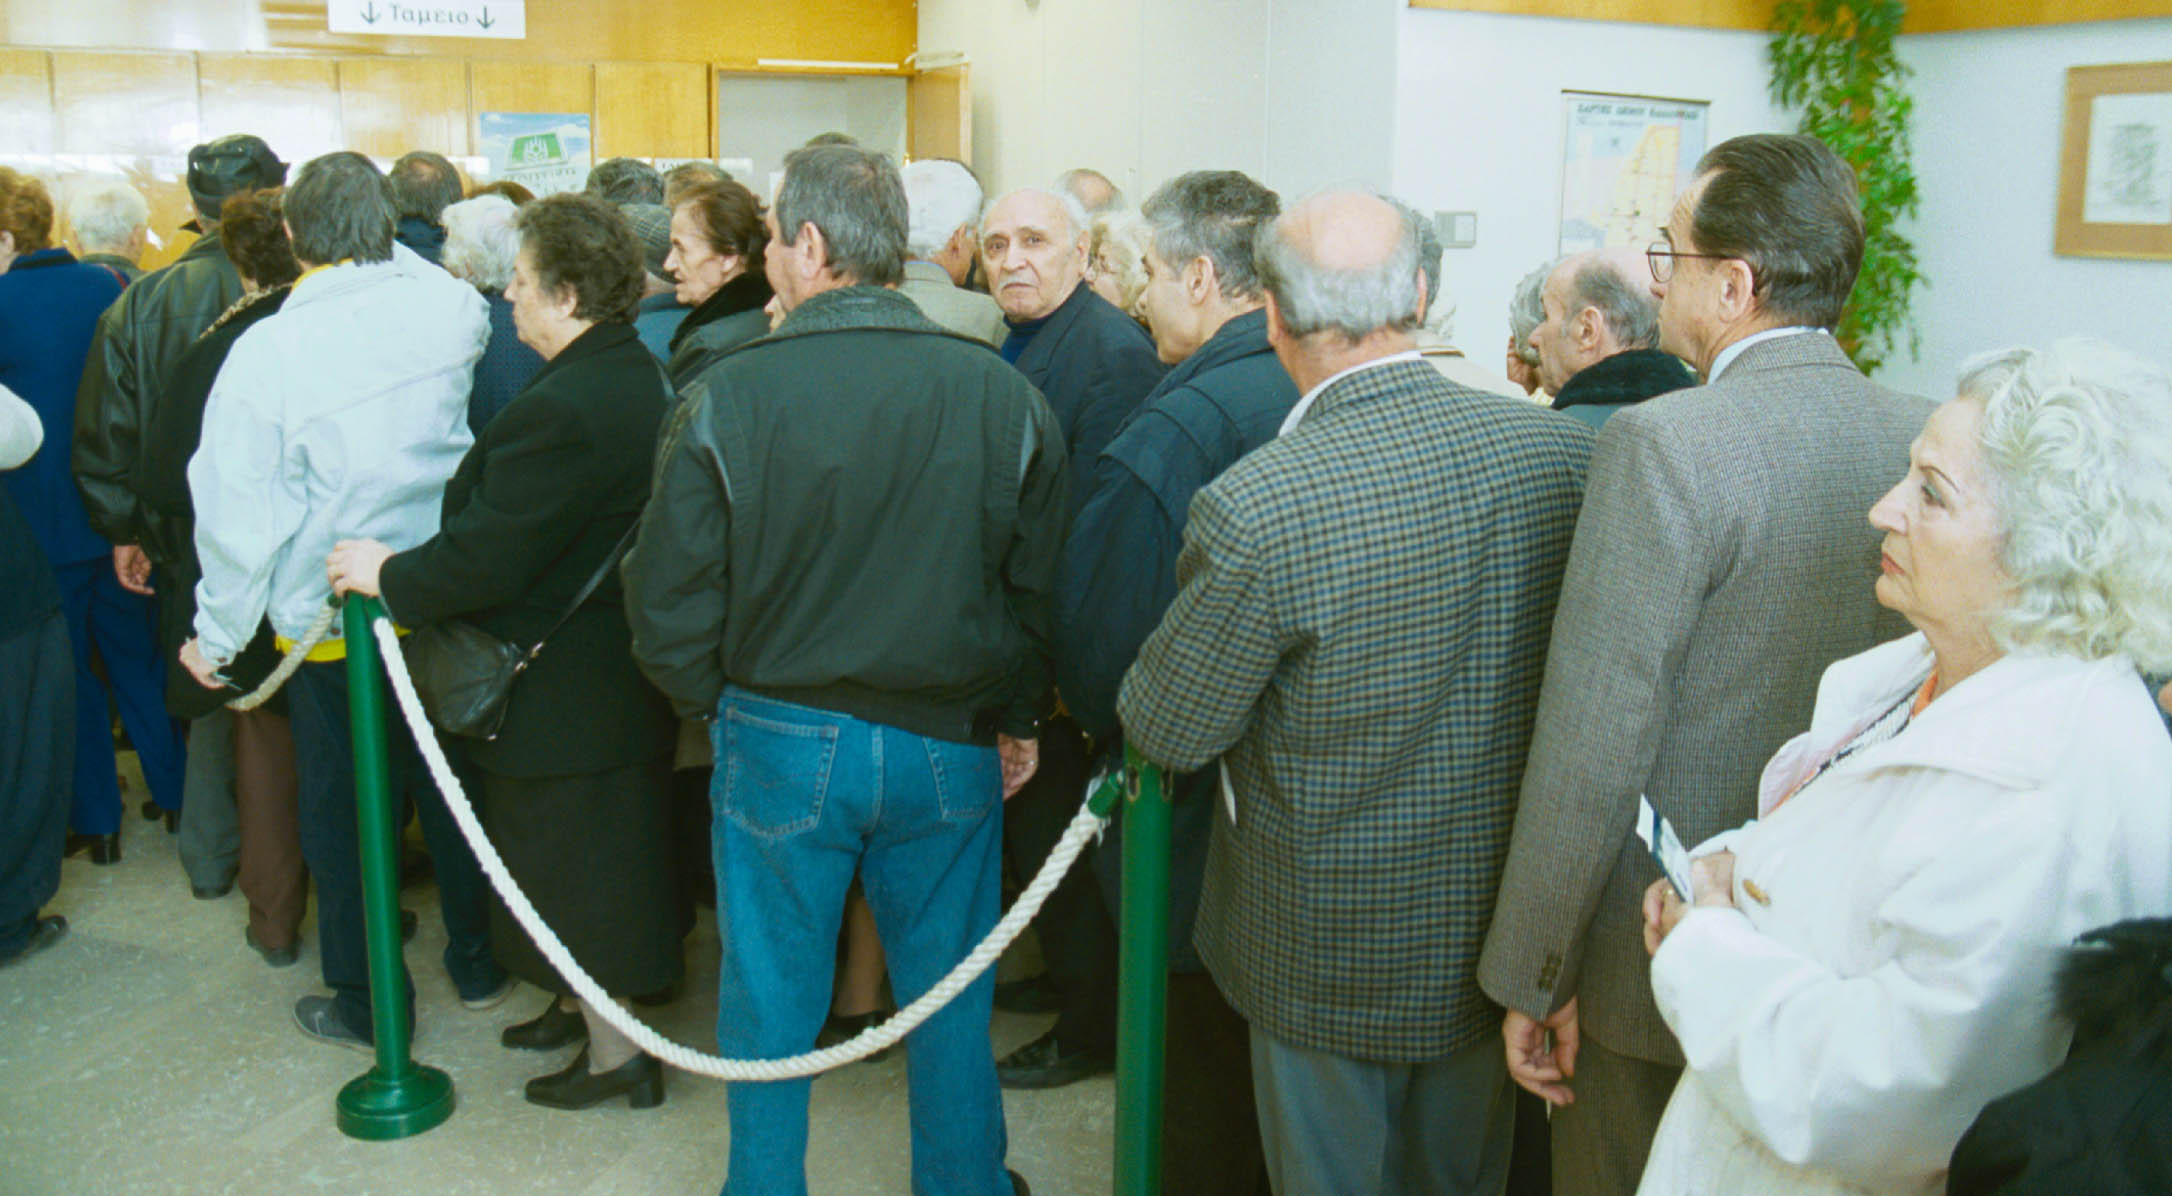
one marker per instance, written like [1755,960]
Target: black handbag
[464,675]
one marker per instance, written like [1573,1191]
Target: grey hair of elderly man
[1073,211]
[1343,282]
[1597,304]
[481,242]
[109,217]
[942,199]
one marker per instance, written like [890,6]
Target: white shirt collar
[1297,413]
[1727,355]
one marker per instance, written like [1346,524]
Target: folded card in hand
[1666,848]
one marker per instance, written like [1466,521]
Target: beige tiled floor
[151,1051]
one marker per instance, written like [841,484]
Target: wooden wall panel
[114,103]
[738,33]
[939,104]
[1924,16]
[528,87]
[1943,16]
[388,106]
[652,110]
[26,102]
[292,102]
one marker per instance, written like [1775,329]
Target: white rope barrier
[290,662]
[867,1042]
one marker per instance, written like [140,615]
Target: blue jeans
[803,797]
[121,626]
[332,846]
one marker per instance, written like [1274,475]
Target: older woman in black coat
[575,787]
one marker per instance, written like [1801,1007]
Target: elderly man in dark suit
[1095,364]
[1359,639]
[1723,560]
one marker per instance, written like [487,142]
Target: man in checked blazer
[1723,559]
[1359,638]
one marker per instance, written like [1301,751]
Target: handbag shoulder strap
[618,552]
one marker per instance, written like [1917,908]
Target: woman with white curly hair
[1865,966]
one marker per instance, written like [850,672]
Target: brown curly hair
[730,218]
[253,229]
[577,240]
[26,209]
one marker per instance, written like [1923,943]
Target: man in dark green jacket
[848,561]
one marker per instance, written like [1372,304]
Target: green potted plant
[1835,60]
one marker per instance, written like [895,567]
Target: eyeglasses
[1660,256]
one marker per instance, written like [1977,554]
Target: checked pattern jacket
[1359,637]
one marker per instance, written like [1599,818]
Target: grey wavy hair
[1527,310]
[2077,439]
[941,197]
[1352,303]
[480,241]
[106,214]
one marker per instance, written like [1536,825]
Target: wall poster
[546,152]
[1624,161]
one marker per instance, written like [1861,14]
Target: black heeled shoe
[103,849]
[546,1031]
[640,1078]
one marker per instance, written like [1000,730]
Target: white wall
[1480,127]
[1294,92]
[1988,118]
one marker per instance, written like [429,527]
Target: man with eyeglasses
[1722,560]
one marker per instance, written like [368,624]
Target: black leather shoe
[149,809]
[1018,1184]
[1034,994]
[103,849]
[1042,1064]
[843,1028]
[640,1078]
[546,1031]
[278,957]
[44,933]
[409,923]
[213,892]
[173,821]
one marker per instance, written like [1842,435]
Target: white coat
[340,417]
[1888,969]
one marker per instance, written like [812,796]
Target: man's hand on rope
[1020,757]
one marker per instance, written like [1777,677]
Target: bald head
[1598,304]
[1343,262]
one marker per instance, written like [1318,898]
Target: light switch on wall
[1456,230]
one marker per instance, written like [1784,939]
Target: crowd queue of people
[861,529]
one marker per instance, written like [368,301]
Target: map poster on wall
[546,152]
[1624,160]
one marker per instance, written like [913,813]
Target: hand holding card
[1666,848]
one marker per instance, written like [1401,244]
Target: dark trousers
[1078,940]
[1209,1127]
[272,876]
[37,757]
[120,627]
[324,756]
[1601,1139]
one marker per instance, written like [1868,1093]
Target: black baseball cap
[235,162]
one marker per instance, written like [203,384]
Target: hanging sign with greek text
[429,18]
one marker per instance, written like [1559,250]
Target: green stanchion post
[397,1098]
[1143,984]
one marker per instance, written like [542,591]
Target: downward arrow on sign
[485,20]
[369,13]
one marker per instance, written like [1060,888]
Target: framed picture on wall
[1624,160]
[2115,166]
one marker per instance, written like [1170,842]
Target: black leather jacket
[132,355]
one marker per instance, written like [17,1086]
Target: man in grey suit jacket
[943,200]
[1359,639]
[1722,560]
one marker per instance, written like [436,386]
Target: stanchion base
[378,1110]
